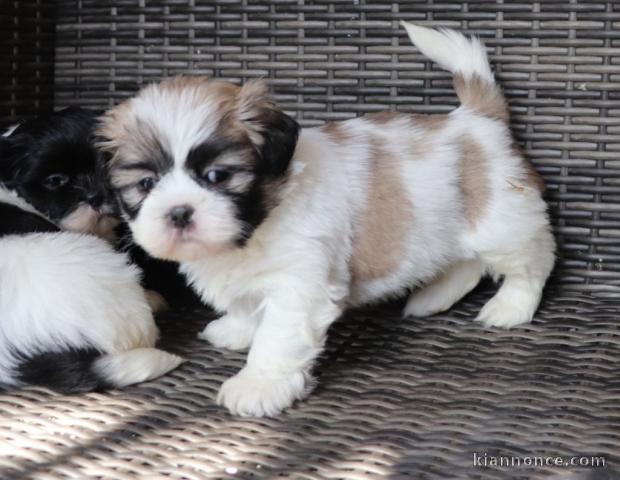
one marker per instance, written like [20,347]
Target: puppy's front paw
[229,332]
[250,394]
[503,313]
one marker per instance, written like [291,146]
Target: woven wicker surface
[26,58]
[558,61]
[397,399]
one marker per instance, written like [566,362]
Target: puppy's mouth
[187,246]
[86,219]
[188,239]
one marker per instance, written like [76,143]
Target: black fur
[58,144]
[280,134]
[200,156]
[66,371]
[270,162]
[251,209]
[130,210]
[160,275]
[159,162]
[17,221]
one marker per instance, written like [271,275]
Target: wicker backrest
[558,60]
[26,58]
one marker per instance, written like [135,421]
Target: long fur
[73,316]
[71,310]
[365,209]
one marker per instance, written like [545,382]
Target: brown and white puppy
[283,229]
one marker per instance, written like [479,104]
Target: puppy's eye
[217,175]
[146,184]
[55,181]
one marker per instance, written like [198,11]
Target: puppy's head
[197,164]
[51,162]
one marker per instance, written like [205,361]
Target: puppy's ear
[271,130]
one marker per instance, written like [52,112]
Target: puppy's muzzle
[181,217]
[95,199]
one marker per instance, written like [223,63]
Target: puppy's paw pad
[228,332]
[250,394]
[503,313]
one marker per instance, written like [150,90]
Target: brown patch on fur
[121,128]
[428,122]
[474,181]
[336,131]
[432,123]
[382,230]
[381,118]
[423,136]
[482,96]
[531,178]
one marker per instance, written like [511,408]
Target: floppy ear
[270,129]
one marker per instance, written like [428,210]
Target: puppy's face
[196,164]
[52,163]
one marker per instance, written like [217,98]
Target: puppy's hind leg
[446,290]
[525,272]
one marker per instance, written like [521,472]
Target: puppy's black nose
[181,216]
[95,199]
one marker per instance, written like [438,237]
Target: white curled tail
[466,58]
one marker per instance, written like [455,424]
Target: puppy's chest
[225,283]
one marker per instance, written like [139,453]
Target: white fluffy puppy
[282,232]
[73,316]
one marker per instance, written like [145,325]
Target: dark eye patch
[202,155]
[148,154]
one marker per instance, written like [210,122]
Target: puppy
[52,164]
[283,229]
[73,316]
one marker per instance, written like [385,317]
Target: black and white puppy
[73,316]
[51,163]
[283,228]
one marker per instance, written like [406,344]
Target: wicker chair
[397,398]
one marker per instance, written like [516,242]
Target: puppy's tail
[85,370]
[134,366]
[466,58]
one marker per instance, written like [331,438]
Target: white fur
[445,291]
[292,279]
[11,197]
[212,234]
[135,365]
[451,50]
[10,130]
[182,117]
[63,290]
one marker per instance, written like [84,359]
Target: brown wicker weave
[397,398]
